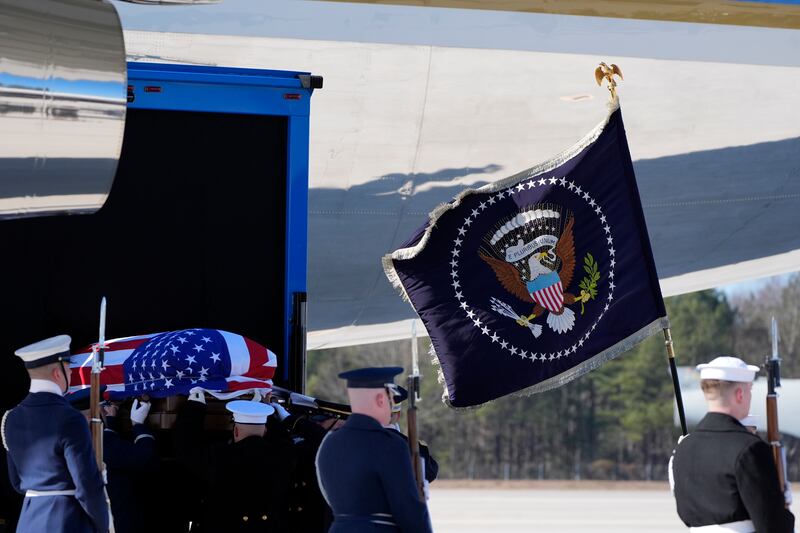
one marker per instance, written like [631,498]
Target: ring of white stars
[149,367]
[475,313]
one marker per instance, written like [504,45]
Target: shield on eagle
[532,253]
[550,297]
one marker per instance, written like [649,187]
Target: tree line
[613,423]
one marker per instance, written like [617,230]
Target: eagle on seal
[536,279]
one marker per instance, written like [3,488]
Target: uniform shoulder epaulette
[3,429]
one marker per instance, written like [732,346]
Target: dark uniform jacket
[246,482]
[10,499]
[130,468]
[431,466]
[308,511]
[365,475]
[723,473]
[50,448]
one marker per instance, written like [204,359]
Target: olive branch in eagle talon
[588,284]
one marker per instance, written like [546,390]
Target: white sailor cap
[249,412]
[44,352]
[728,368]
[750,420]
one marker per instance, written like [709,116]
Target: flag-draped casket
[224,364]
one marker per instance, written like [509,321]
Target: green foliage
[701,326]
[589,283]
[616,422]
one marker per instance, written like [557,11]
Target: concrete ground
[547,507]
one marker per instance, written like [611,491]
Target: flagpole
[606,73]
[675,383]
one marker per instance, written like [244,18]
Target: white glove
[197,395]
[787,494]
[139,411]
[280,411]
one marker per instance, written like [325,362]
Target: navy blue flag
[525,284]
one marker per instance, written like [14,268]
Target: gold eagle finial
[606,72]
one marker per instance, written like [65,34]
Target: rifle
[298,403]
[94,405]
[411,414]
[773,367]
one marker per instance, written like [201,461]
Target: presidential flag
[530,282]
[164,364]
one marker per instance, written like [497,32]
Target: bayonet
[101,342]
[415,360]
[775,361]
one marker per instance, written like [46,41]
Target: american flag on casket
[165,364]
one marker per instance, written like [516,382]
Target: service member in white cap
[246,481]
[50,454]
[725,478]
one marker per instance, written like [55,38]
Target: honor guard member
[429,464]
[127,463]
[247,481]
[50,454]
[364,469]
[725,477]
[308,511]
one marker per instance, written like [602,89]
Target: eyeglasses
[392,390]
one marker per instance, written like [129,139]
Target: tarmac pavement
[557,510]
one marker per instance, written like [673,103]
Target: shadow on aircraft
[703,209]
[351,229]
[708,209]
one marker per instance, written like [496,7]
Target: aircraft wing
[417,109]
[420,105]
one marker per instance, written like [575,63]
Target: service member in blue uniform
[430,466]
[364,469]
[130,464]
[723,476]
[50,454]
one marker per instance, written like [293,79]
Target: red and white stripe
[551,298]
[252,365]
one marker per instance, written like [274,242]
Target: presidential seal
[532,254]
